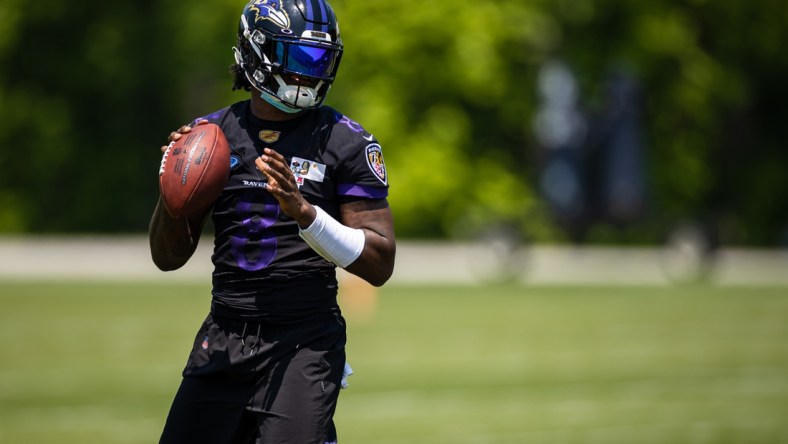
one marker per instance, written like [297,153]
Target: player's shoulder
[344,129]
[360,150]
[229,113]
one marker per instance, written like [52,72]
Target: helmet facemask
[270,60]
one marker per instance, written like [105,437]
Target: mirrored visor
[308,60]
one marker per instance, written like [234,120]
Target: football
[194,170]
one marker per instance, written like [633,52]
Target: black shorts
[259,383]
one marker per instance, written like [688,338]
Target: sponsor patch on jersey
[269,136]
[375,162]
[307,169]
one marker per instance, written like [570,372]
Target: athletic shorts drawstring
[256,342]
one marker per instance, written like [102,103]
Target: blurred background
[590,203]
[581,121]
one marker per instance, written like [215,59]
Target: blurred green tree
[89,92]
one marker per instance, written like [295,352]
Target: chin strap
[297,95]
[277,103]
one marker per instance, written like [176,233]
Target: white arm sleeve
[337,243]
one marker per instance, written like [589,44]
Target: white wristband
[337,243]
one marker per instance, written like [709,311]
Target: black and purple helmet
[277,38]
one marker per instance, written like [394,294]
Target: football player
[307,193]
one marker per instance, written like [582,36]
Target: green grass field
[99,363]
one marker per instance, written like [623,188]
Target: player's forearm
[376,263]
[362,243]
[172,241]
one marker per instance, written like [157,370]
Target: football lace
[164,158]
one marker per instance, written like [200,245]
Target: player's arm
[173,241]
[374,218]
[362,241]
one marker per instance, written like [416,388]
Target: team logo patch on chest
[269,136]
[375,162]
[307,169]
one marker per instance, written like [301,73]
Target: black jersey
[263,270]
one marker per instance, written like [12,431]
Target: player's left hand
[177,134]
[281,183]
